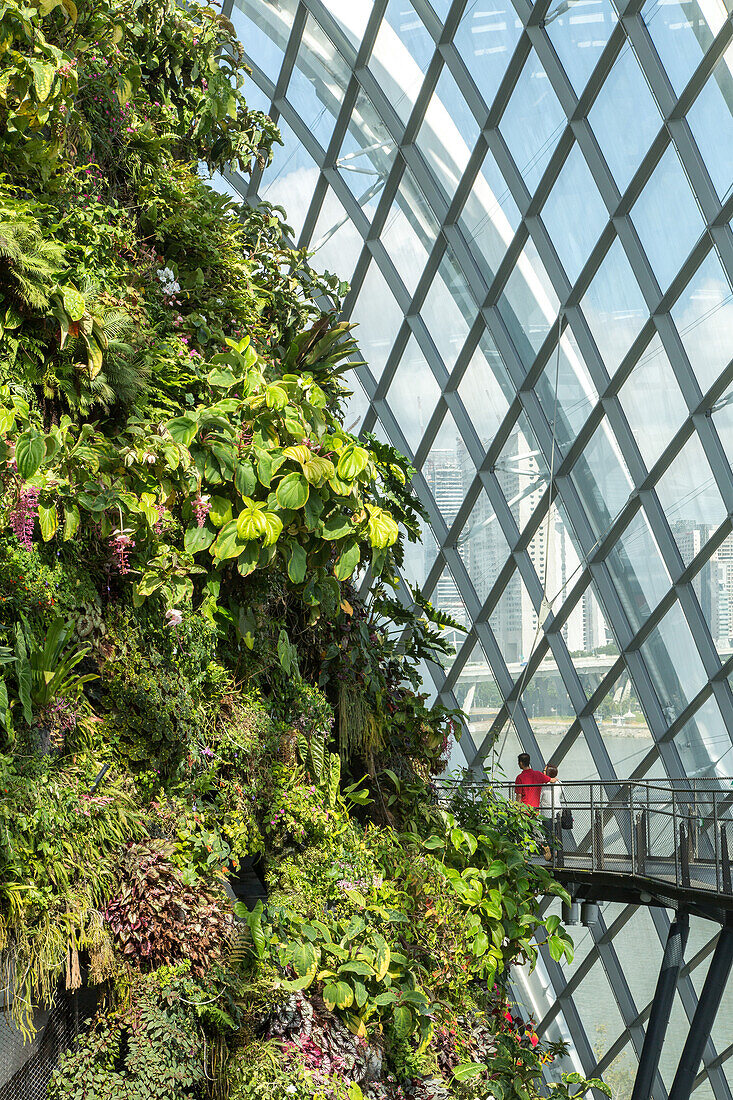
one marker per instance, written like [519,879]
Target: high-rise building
[532,203]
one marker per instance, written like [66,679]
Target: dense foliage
[205,658]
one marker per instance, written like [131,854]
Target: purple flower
[23,516]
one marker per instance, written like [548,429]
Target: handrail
[675,832]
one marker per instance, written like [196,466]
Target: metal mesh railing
[26,1067]
[679,833]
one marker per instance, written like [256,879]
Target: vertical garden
[205,658]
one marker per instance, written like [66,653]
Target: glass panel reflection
[572,236]
[602,478]
[674,663]
[693,506]
[711,122]
[532,122]
[413,394]
[638,571]
[704,318]
[667,218]
[682,30]
[485,40]
[448,133]
[652,385]
[614,307]
[483,546]
[528,304]
[410,231]
[625,117]
[579,32]
[400,56]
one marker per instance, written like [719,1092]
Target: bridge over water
[659,843]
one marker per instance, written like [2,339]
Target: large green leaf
[297,563]
[48,521]
[245,478]
[71,521]
[221,511]
[337,526]
[29,450]
[74,303]
[404,1022]
[43,77]
[228,544]
[338,995]
[292,491]
[275,396]
[383,530]
[382,957]
[198,538]
[251,523]
[352,462]
[347,562]
[466,1070]
[274,526]
[182,429]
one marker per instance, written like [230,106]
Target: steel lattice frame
[404,179]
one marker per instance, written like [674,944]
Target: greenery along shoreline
[184,519]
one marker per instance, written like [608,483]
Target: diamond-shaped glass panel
[623,727]
[682,31]
[691,499]
[566,390]
[483,389]
[637,570]
[375,299]
[263,27]
[522,472]
[528,304]
[410,231]
[652,385]
[478,693]
[574,190]
[483,546]
[489,218]
[532,122]
[444,311]
[413,394]
[367,151]
[336,243]
[485,40]
[704,318]
[674,663]
[512,624]
[317,82]
[704,742]
[667,218]
[400,56]
[448,133]
[602,478]
[625,117]
[614,307]
[579,32]
[291,179]
[711,122]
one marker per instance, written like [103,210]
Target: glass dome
[533,203]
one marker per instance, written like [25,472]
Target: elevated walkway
[663,842]
[666,843]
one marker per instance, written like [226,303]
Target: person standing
[551,809]
[529,783]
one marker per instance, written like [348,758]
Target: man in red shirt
[528,784]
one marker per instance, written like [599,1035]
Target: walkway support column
[656,1029]
[704,1018]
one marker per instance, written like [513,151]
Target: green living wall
[191,676]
